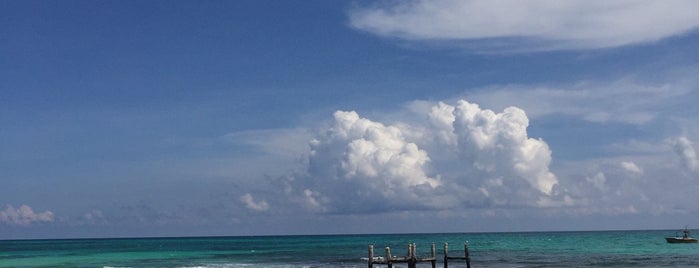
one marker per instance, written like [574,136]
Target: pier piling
[411,259]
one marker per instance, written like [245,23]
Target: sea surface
[536,249]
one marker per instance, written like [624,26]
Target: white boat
[681,239]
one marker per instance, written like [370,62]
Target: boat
[681,239]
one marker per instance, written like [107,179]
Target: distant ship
[681,239]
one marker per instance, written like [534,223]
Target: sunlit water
[557,249]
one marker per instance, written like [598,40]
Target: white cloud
[24,215]
[539,24]
[359,159]
[482,158]
[631,167]
[685,150]
[251,204]
[498,143]
[457,155]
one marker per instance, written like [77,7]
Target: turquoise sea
[535,249]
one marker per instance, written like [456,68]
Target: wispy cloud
[530,25]
[24,215]
[288,142]
[627,100]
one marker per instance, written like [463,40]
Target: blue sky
[175,118]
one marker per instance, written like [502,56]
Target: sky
[217,118]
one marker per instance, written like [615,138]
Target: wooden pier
[412,259]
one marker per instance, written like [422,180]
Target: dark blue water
[558,249]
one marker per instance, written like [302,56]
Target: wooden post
[468,259]
[434,256]
[411,255]
[446,255]
[371,256]
[388,257]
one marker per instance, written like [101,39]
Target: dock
[412,259]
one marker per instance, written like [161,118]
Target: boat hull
[678,240]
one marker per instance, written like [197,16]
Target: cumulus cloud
[251,204]
[24,215]
[482,158]
[359,159]
[458,155]
[685,150]
[540,24]
[498,142]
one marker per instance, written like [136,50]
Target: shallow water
[540,249]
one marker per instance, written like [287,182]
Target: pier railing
[412,259]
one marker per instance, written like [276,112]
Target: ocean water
[539,249]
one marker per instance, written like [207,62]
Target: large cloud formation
[547,24]
[482,159]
